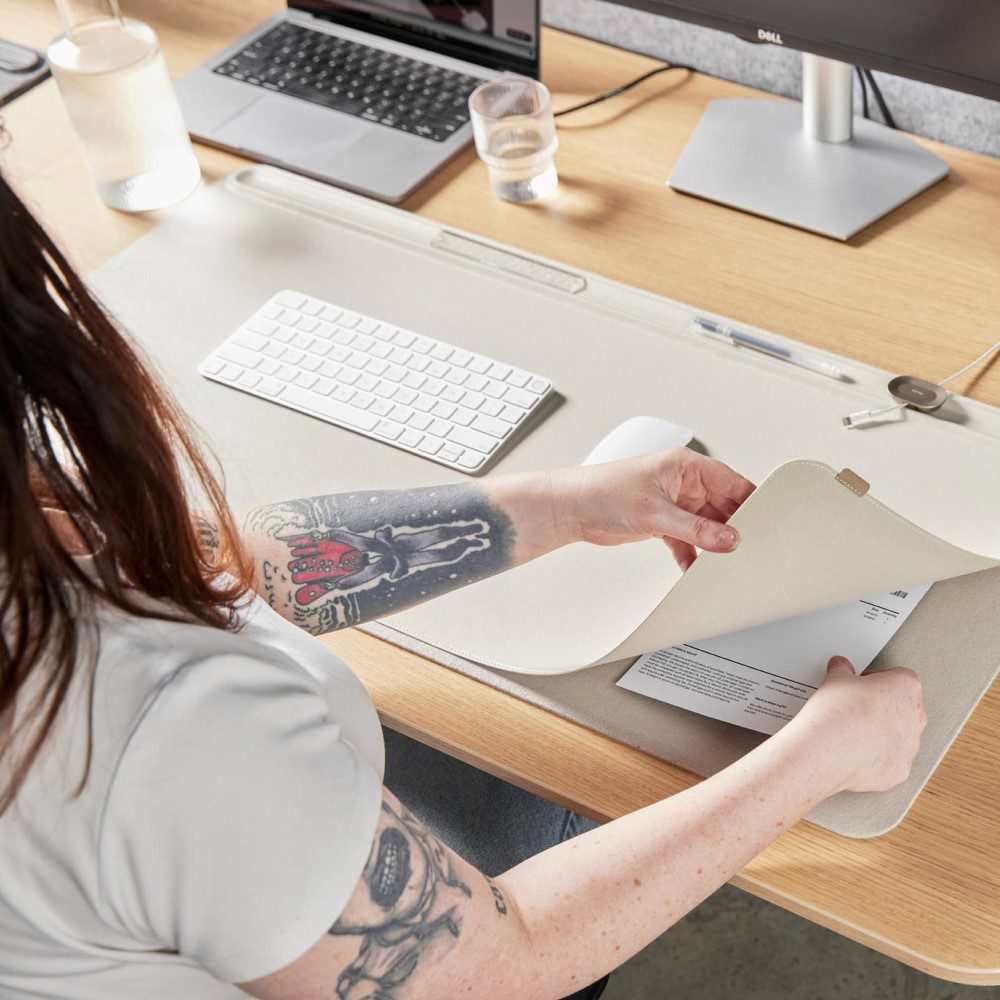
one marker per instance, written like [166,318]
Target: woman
[192,787]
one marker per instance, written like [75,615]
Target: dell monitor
[818,167]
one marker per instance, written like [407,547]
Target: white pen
[730,335]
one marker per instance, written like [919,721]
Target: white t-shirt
[234,789]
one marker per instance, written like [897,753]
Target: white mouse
[639,436]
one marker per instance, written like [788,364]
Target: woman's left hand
[677,495]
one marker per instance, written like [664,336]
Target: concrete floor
[737,947]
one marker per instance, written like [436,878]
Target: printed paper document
[760,677]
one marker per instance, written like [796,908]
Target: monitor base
[754,155]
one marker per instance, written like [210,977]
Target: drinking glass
[515,137]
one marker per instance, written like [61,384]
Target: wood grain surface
[918,291]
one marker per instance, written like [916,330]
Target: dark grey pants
[492,824]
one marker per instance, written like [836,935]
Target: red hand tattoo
[318,561]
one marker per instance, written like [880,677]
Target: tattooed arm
[327,562]
[422,924]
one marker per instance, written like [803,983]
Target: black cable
[620,90]
[880,100]
[864,91]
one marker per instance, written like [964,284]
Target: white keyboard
[393,385]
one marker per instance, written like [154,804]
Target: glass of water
[515,137]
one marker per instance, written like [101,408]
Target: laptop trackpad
[283,128]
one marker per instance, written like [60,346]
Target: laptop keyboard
[360,80]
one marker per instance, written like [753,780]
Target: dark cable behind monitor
[665,68]
[864,75]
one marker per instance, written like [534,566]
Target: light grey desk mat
[613,352]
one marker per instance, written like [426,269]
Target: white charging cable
[863,417]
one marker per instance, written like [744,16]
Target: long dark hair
[85,429]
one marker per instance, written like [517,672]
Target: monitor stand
[812,165]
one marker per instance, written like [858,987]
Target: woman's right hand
[873,723]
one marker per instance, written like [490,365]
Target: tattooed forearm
[334,561]
[411,907]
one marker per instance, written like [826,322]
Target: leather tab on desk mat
[950,640]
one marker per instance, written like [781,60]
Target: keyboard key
[471,459]
[443,409]
[495,389]
[441,352]
[367,382]
[518,378]
[452,393]
[389,429]
[492,426]
[261,327]
[414,380]
[367,325]
[473,400]
[433,387]
[330,408]
[439,427]
[405,395]
[239,355]
[462,415]
[479,365]
[514,414]
[491,407]
[410,437]
[293,300]
[270,386]
[274,349]
[476,382]
[539,385]
[343,393]
[381,407]
[348,319]
[519,398]
[420,421]
[380,349]
[499,371]
[212,366]
[472,439]
[449,452]
[307,323]
[249,379]
[404,338]
[457,376]
[437,369]
[310,362]
[430,445]
[461,358]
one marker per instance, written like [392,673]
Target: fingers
[697,530]
[839,666]
[723,482]
[683,553]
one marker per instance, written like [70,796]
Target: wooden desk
[919,291]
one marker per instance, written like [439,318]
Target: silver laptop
[370,96]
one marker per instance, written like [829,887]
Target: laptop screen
[497,33]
